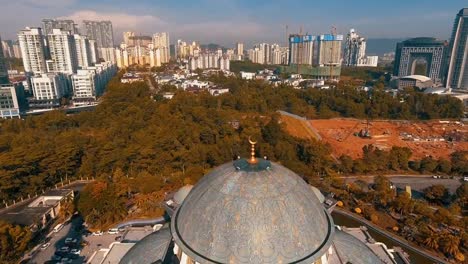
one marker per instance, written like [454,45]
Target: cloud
[120,21]
[48,3]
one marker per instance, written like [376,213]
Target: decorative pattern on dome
[252,213]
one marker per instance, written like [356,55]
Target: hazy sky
[228,21]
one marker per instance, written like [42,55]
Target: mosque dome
[252,212]
[180,195]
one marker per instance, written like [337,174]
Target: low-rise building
[48,89]
[368,61]
[131,78]
[419,81]
[89,83]
[40,212]
[247,75]
[12,100]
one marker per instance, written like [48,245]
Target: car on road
[57,228]
[97,233]
[118,238]
[44,246]
[75,251]
[113,231]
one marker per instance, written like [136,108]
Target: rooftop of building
[27,215]
[151,249]
[463,12]
[420,78]
[423,41]
[136,234]
[230,206]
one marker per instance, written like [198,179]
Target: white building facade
[161,42]
[83,51]
[62,52]
[31,43]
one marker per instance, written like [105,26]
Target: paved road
[96,243]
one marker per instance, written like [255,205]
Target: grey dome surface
[150,249]
[252,213]
[182,193]
[352,250]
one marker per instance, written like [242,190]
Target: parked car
[70,241]
[66,260]
[63,251]
[44,246]
[75,251]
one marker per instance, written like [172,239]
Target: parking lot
[57,241]
[73,230]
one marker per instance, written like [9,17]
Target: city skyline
[208,22]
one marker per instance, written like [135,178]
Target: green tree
[14,241]
[436,193]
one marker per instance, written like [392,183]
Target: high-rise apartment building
[457,75]
[17,50]
[7,47]
[328,50]
[240,49]
[94,50]
[261,53]
[126,37]
[355,48]
[161,42]
[3,68]
[209,61]
[301,49]
[50,24]
[63,56]
[185,50]
[279,55]
[83,51]
[101,32]
[31,41]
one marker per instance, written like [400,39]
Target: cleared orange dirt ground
[339,133]
[423,138]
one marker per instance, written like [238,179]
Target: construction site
[436,138]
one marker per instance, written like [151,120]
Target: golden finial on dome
[252,153]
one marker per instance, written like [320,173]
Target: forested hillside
[138,147]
